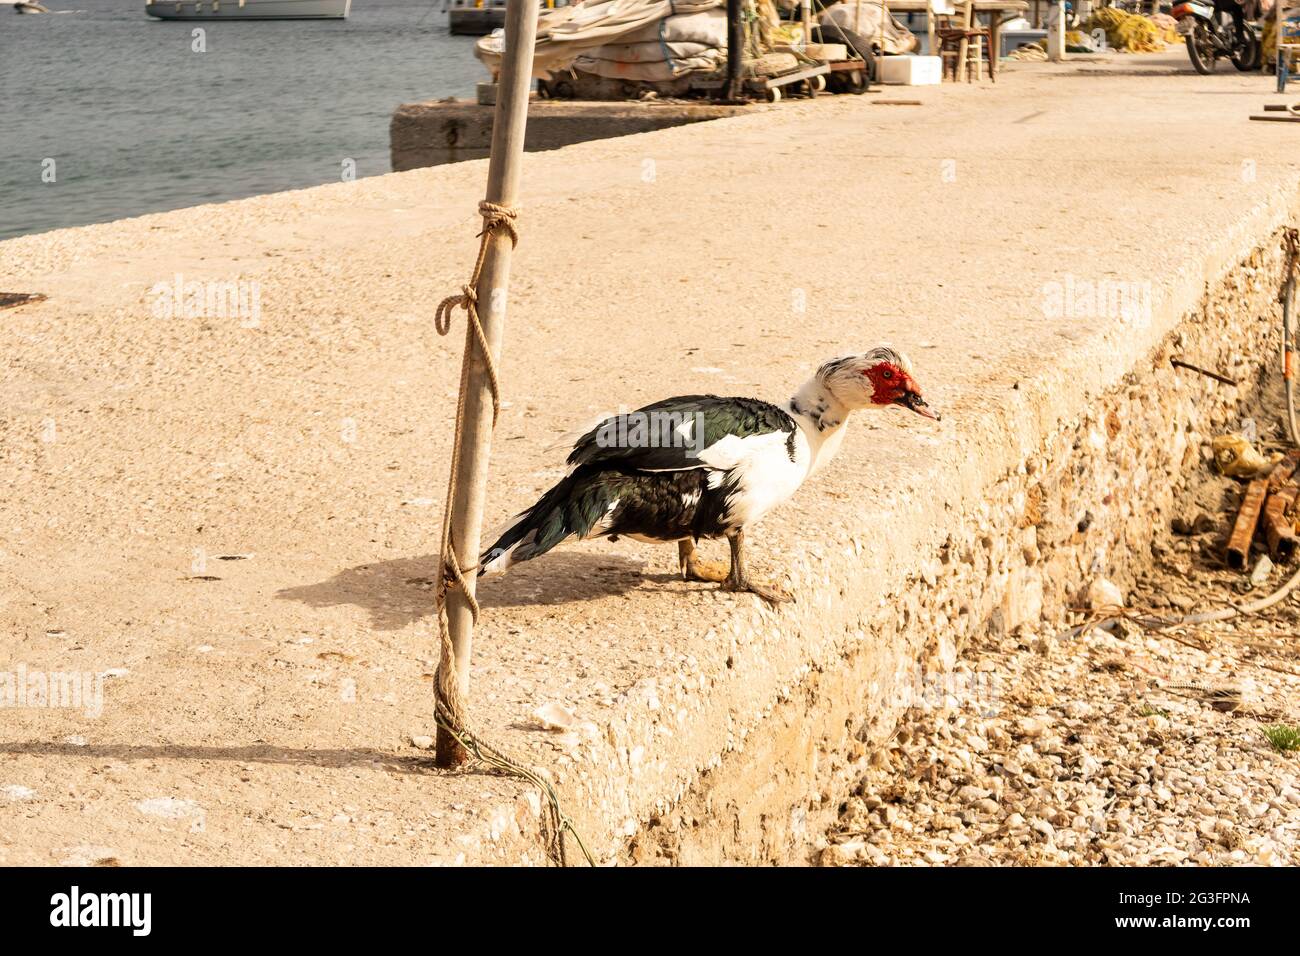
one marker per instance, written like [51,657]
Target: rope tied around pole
[495,217]
[449,706]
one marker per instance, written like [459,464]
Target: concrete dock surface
[229,516]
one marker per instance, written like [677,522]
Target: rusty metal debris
[1179,363]
[1278,528]
[10,300]
[1243,530]
[1267,503]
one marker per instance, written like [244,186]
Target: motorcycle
[1215,30]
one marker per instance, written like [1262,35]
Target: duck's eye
[889,373]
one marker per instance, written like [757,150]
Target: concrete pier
[224,507]
[451,131]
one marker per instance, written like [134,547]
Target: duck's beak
[916,403]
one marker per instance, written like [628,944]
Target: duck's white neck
[821,416]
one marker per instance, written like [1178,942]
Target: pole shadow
[399,592]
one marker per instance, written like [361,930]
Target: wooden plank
[785,79]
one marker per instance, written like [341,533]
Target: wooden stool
[971,44]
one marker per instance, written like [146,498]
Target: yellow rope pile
[1129,32]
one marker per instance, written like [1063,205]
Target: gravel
[1115,747]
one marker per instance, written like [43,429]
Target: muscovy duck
[701,466]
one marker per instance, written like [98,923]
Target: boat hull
[249,10]
[475,21]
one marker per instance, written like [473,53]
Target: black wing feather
[645,440]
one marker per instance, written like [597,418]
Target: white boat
[248,9]
[477,18]
[29,7]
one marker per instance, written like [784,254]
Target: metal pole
[735,50]
[508,126]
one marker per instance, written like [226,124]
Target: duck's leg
[696,568]
[738,580]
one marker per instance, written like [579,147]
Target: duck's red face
[892,385]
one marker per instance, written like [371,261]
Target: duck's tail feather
[576,507]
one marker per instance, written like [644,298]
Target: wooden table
[997,11]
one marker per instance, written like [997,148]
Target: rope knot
[496,215]
[467,300]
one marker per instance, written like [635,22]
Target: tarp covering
[651,51]
[566,33]
[708,27]
[858,23]
[661,51]
[656,71]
